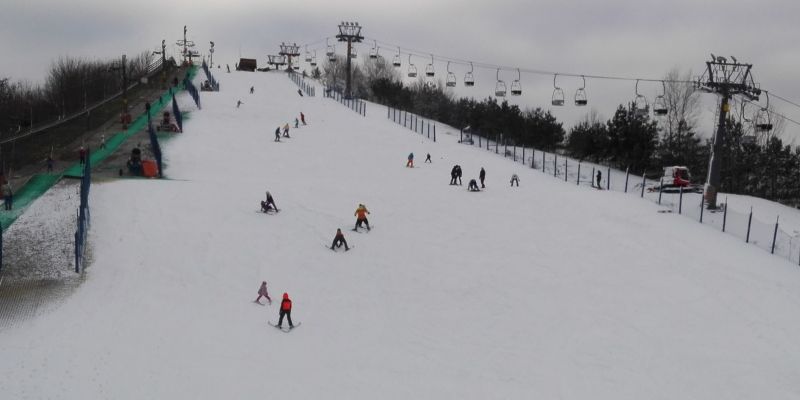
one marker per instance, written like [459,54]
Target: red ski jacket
[286,305]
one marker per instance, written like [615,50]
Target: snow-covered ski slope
[545,291]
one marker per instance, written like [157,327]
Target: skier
[338,240]
[269,204]
[300,92]
[286,130]
[82,155]
[8,196]
[303,118]
[238,103]
[102,141]
[278,134]
[428,159]
[453,175]
[252,89]
[482,176]
[49,164]
[286,310]
[361,213]
[296,123]
[514,179]
[262,292]
[599,177]
[473,186]
[458,174]
[410,163]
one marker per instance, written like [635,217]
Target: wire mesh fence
[300,81]
[356,105]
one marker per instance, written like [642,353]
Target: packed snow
[548,290]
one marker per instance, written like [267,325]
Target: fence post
[608,178]
[644,181]
[566,169]
[579,173]
[680,201]
[543,161]
[749,221]
[461,136]
[480,145]
[496,146]
[660,189]
[627,174]
[725,215]
[515,153]
[533,158]
[523,154]
[702,204]
[555,165]
[429,129]
[774,235]
[434,133]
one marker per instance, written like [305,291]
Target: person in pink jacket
[262,292]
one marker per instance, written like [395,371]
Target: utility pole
[289,51]
[211,55]
[349,32]
[163,53]
[727,79]
[187,56]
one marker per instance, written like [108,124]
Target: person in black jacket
[453,175]
[482,176]
[338,241]
[458,173]
[473,186]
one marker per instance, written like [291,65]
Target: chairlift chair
[308,55]
[660,102]
[762,120]
[500,87]
[580,94]
[451,77]
[314,59]
[412,70]
[373,53]
[396,61]
[429,71]
[330,50]
[516,86]
[558,94]
[640,105]
[353,52]
[469,80]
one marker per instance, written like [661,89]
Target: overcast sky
[613,37]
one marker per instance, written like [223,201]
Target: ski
[287,330]
[335,250]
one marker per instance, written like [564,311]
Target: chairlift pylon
[469,80]
[500,87]
[640,106]
[373,53]
[660,102]
[580,94]
[396,61]
[557,99]
[762,121]
[451,77]
[516,86]
[412,70]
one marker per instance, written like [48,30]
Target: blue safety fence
[210,84]
[83,214]
[357,105]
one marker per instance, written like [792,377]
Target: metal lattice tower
[349,32]
[187,54]
[289,51]
[727,79]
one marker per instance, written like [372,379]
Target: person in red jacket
[286,310]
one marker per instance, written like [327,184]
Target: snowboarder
[49,164]
[361,213]
[599,177]
[300,92]
[514,179]
[296,123]
[8,196]
[238,103]
[82,155]
[286,310]
[458,174]
[278,134]
[482,176]
[286,130]
[303,118]
[262,292]
[410,163]
[428,159]
[252,89]
[338,241]
[473,186]
[269,204]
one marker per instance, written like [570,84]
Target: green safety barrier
[41,183]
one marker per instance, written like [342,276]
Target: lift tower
[726,79]
[349,32]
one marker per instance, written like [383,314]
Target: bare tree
[683,104]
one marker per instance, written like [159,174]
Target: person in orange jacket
[361,214]
[286,310]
